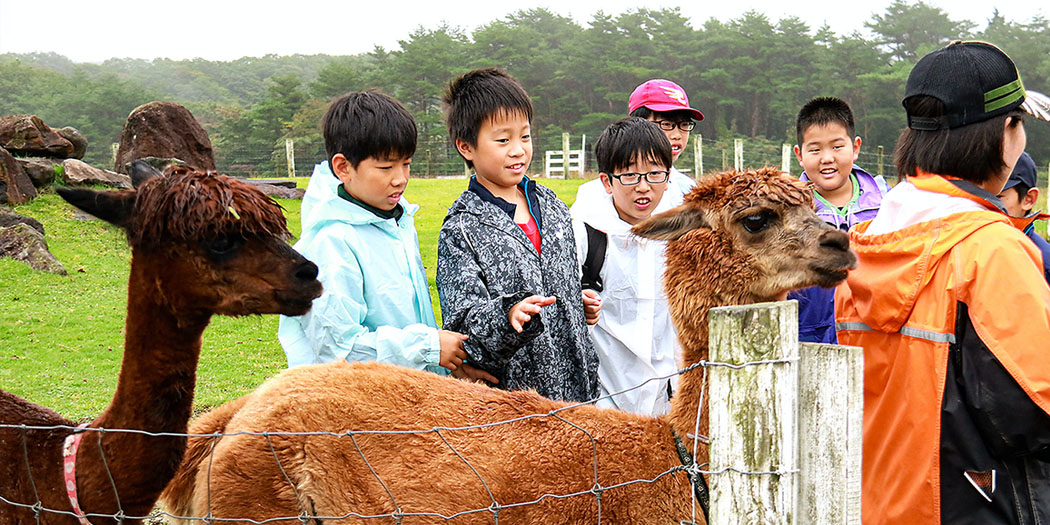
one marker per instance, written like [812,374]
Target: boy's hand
[474,375]
[522,312]
[452,352]
[592,306]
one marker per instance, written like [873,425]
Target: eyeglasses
[668,125]
[630,179]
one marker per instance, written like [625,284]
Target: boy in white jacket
[634,337]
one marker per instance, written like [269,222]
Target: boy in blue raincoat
[359,230]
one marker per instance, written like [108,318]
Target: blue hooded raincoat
[376,302]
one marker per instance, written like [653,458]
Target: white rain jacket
[376,301]
[635,337]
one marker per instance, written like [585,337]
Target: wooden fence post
[698,157]
[831,420]
[785,159]
[289,153]
[881,154]
[583,155]
[565,154]
[738,154]
[754,456]
[786,428]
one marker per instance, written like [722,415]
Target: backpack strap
[592,264]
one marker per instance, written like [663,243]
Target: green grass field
[61,338]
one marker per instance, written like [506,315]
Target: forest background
[748,75]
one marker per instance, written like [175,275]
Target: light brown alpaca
[200,245]
[740,237]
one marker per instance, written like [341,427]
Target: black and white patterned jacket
[486,265]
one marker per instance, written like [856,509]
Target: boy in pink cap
[665,103]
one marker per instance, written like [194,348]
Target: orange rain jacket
[954,318]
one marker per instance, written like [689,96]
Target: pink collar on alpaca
[69,471]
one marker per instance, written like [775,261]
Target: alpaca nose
[306,272]
[835,239]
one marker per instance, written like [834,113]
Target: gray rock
[74,137]
[21,242]
[79,173]
[279,192]
[39,170]
[9,217]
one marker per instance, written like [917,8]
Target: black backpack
[592,264]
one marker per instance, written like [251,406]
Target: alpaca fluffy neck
[154,394]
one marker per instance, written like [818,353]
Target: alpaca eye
[757,222]
[223,245]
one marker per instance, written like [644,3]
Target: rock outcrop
[27,135]
[164,130]
[15,185]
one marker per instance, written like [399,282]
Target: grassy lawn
[61,338]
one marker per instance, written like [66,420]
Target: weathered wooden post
[785,158]
[786,425]
[289,153]
[583,155]
[754,447]
[738,154]
[565,154]
[881,154]
[698,157]
[831,420]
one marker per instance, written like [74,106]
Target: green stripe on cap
[1003,96]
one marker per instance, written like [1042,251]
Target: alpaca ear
[142,171]
[114,207]
[671,224]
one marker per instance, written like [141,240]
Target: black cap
[975,81]
[1023,173]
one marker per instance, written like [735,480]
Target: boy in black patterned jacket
[507,273]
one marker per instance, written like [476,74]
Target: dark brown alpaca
[740,237]
[201,245]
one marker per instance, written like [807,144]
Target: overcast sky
[94,30]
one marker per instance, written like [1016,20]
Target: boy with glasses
[634,337]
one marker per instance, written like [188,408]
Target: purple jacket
[872,188]
[816,305]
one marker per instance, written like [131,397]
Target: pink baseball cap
[661,95]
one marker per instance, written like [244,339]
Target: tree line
[748,75]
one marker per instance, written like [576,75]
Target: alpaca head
[206,244]
[749,236]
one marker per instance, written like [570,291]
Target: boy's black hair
[480,95]
[677,115]
[973,152]
[822,111]
[630,139]
[364,124]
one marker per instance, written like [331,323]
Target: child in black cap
[1019,197]
[950,306]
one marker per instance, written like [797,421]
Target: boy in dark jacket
[845,195]
[507,274]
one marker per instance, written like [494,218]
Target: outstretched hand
[474,375]
[522,312]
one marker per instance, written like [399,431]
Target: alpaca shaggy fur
[740,237]
[200,245]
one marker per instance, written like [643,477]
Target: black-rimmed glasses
[668,125]
[630,179]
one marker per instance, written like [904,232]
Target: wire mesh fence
[494,498]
